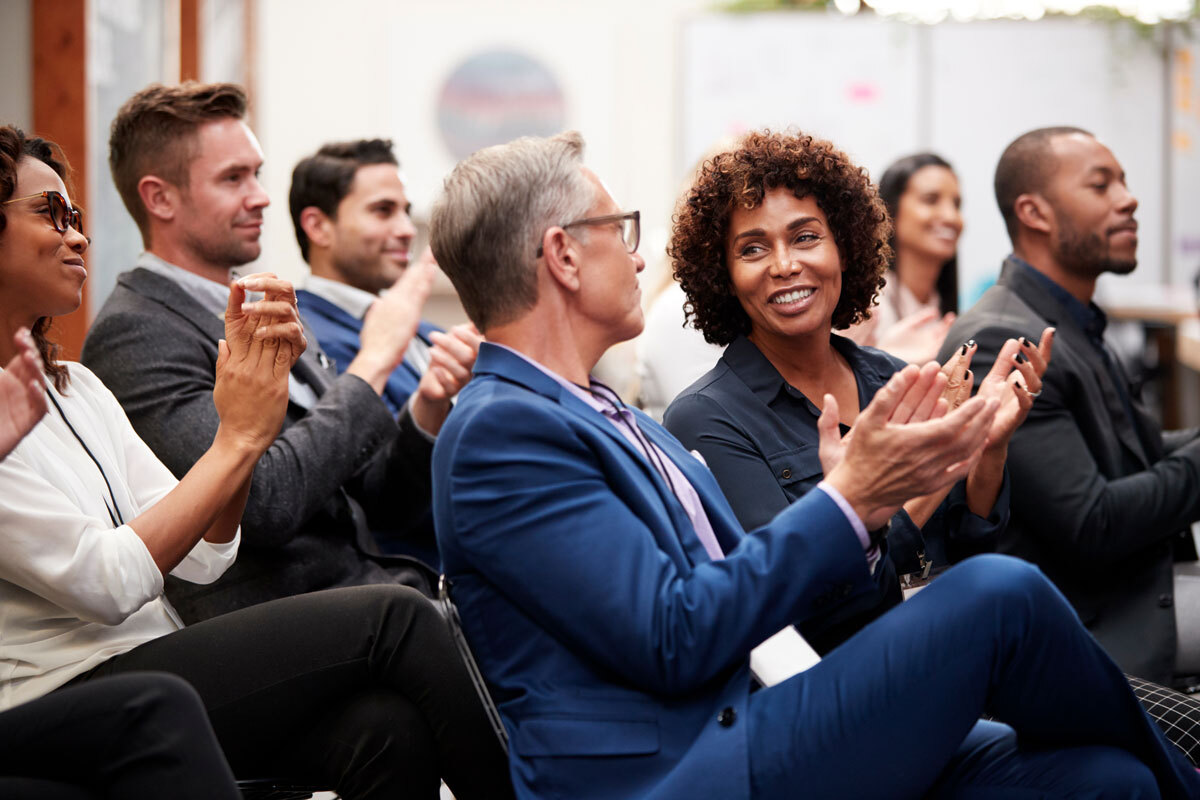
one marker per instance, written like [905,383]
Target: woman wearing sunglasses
[346,689]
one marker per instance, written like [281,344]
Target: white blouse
[76,589]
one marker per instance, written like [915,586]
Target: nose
[257,197]
[783,264]
[638,261]
[1126,202]
[952,214]
[405,229]
[76,240]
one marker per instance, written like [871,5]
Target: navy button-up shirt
[758,435]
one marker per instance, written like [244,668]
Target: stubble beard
[363,273]
[1089,255]
[225,253]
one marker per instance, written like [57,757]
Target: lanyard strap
[114,510]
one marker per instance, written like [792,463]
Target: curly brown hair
[763,161]
[15,145]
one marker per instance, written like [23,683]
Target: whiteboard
[881,89]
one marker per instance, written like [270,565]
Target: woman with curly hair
[919,302]
[776,244]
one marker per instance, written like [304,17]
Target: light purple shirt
[623,420]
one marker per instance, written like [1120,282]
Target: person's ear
[317,226]
[160,198]
[1034,212]
[561,254]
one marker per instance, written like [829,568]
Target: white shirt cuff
[429,437]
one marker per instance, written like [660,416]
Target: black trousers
[133,737]
[360,690]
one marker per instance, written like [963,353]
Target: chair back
[446,605]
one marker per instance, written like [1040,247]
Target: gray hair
[494,210]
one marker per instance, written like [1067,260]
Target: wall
[375,68]
[16,63]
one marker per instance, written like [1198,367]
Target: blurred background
[652,85]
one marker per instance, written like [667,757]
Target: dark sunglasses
[62,215]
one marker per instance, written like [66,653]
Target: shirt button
[1165,601]
[787,473]
[727,717]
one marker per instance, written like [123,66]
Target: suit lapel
[513,368]
[172,296]
[720,515]
[1102,391]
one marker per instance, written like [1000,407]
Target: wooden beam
[59,114]
[189,40]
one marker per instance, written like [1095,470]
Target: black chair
[446,605]
[271,789]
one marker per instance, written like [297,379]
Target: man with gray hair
[618,609]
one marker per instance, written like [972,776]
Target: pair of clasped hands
[923,432]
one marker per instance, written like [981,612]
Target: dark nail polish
[1023,342]
[964,349]
[970,342]
[1020,358]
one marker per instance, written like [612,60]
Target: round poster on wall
[496,96]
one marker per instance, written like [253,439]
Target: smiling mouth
[794,296]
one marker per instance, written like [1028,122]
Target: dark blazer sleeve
[163,371]
[526,495]
[1082,515]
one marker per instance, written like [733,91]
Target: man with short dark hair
[343,466]
[1101,498]
[351,216]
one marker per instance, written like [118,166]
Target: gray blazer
[1100,508]
[335,470]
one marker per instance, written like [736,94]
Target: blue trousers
[894,711]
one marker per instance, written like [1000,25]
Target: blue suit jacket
[610,641]
[338,333]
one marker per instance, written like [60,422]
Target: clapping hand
[905,444]
[917,337]
[450,362]
[22,393]
[1014,380]
[391,322]
[262,341]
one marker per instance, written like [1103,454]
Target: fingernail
[964,348]
[1020,359]
[1022,341]
[970,342]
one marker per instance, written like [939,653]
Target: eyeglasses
[631,227]
[62,215]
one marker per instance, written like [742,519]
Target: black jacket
[1097,504]
[334,471]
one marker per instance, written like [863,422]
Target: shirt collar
[759,374]
[351,299]
[1088,317]
[212,296]
[573,388]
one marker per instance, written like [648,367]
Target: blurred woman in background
[919,301]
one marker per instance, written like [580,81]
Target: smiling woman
[919,302]
[37,224]
[777,243]
[94,524]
